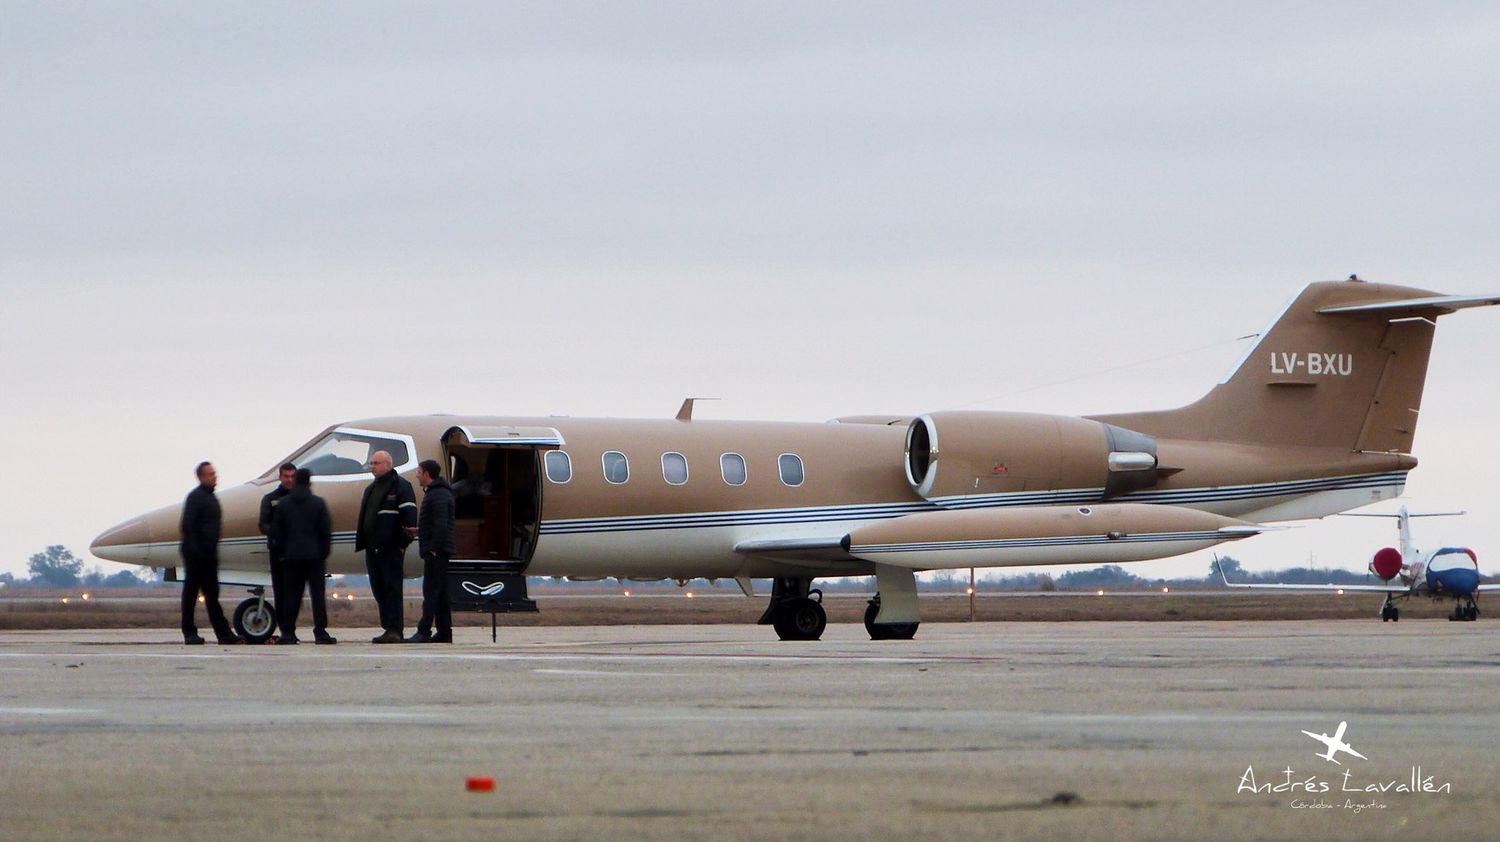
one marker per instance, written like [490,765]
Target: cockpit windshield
[347,453]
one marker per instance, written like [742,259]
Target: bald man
[387,523]
[202,522]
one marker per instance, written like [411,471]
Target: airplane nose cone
[130,542]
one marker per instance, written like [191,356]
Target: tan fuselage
[853,477]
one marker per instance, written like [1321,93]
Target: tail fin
[1343,366]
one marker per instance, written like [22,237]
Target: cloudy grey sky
[224,227]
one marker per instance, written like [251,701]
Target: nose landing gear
[1466,612]
[255,618]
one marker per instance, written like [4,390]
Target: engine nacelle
[962,454]
[1386,563]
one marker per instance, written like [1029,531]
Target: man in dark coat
[302,531]
[387,523]
[202,520]
[436,544]
[286,476]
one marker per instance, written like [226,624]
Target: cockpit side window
[344,453]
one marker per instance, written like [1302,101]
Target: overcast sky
[225,227]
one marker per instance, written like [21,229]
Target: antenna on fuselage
[686,412]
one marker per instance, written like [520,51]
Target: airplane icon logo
[1335,744]
[490,590]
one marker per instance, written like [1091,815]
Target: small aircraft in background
[1335,744]
[1445,573]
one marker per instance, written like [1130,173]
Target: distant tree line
[57,567]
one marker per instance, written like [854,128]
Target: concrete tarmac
[993,730]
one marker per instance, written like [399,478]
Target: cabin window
[674,468]
[732,466]
[791,469]
[559,466]
[616,467]
[343,453]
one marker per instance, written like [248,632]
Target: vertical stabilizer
[1342,367]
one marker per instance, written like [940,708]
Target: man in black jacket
[387,523]
[286,476]
[202,520]
[436,543]
[303,533]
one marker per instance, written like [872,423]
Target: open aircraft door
[496,475]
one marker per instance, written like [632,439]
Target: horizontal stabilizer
[1433,306]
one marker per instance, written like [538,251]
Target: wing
[1034,535]
[1489,587]
[953,538]
[1286,586]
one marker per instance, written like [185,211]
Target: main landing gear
[255,618]
[886,631]
[794,612]
[1389,613]
[1466,612]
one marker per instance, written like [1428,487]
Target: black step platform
[488,588]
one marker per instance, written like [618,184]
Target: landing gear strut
[1466,612]
[255,618]
[1389,612]
[794,611]
[886,631]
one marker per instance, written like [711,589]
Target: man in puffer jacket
[436,544]
[303,532]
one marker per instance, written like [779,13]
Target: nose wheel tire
[800,619]
[255,620]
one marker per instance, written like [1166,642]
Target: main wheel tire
[255,620]
[887,631]
[1395,614]
[800,619]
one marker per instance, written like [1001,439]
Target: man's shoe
[288,641]
[325,640]
[420,637]
[232,640]
[388,637]
[441,638]
[194,640]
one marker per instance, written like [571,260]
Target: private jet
[1317,417]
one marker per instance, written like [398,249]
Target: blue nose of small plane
[1453,570]
[129,542]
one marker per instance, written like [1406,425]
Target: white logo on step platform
[487,590]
